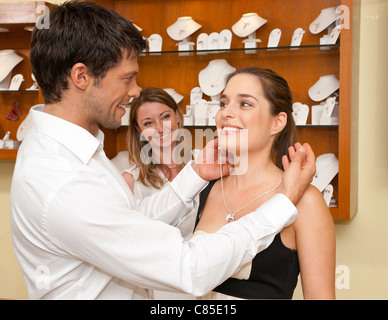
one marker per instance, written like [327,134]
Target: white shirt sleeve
[104,232]
[172,203]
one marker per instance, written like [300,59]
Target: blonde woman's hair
[149,174]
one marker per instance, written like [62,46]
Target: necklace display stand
[326,17]
[212,78]
[326,170]
[247,26]
[8,60]
[181,30]
[175,95]
[324,87]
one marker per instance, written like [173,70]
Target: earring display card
[326,170]
[300,113]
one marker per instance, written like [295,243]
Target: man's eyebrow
[130,74]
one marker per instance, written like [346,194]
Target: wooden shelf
[8,154]
[301,67]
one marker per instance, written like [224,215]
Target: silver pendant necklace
[230,215]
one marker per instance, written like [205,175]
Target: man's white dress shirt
[78,233]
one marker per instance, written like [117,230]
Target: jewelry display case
[282,41]
[16,23]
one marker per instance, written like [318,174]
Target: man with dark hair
[77,230]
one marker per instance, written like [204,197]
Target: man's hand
[299,173]
[207,164]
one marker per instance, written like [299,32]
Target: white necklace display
[248,23]
[247,26]
[327,169]
[326,18]
[212,78]
[324,87]
[183,28]
[175,95]
[8,60]
[300,113]
[230,215]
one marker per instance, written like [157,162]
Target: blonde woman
[153,136]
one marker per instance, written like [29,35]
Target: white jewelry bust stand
[175,95]
[181,30]
[325,19]
[324,87]
[326,170]
[247,26]
[212,78]
[8,60]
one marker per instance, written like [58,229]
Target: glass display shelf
[18,91]
[298,126]
[304,48]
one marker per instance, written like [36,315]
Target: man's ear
[280,122]
[80,77]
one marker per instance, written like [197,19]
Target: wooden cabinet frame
[300,67]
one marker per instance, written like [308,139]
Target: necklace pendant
[230,217]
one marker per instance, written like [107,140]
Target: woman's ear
[280,121]
[79,76]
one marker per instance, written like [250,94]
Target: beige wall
[362,244]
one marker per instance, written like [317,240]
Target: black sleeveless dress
[274,271]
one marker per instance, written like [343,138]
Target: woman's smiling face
[157,123]
[244,119]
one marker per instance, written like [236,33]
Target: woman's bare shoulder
[312,207]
